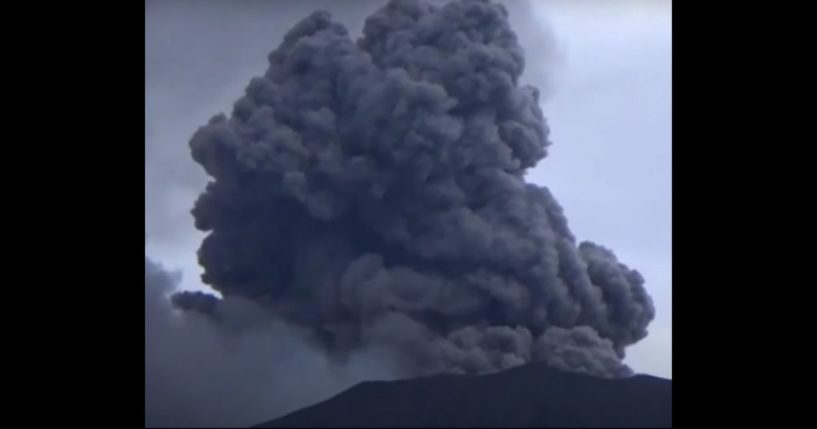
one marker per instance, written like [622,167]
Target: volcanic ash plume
[374,193]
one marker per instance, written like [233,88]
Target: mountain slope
[528,396]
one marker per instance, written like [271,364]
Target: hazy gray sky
[609,112]
[611,162]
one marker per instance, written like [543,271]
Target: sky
[611,162]
[605,68]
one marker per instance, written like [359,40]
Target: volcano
[532,395]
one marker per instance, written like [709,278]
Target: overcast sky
[611,162]
[609,110]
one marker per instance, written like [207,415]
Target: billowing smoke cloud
[200,54]
[373,192]
[239,369]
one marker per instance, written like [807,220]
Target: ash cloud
[200,54]
[373,192]
[368,215]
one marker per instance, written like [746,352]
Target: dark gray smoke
[374,192]
[200,54]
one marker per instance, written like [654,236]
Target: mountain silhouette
[532,395]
